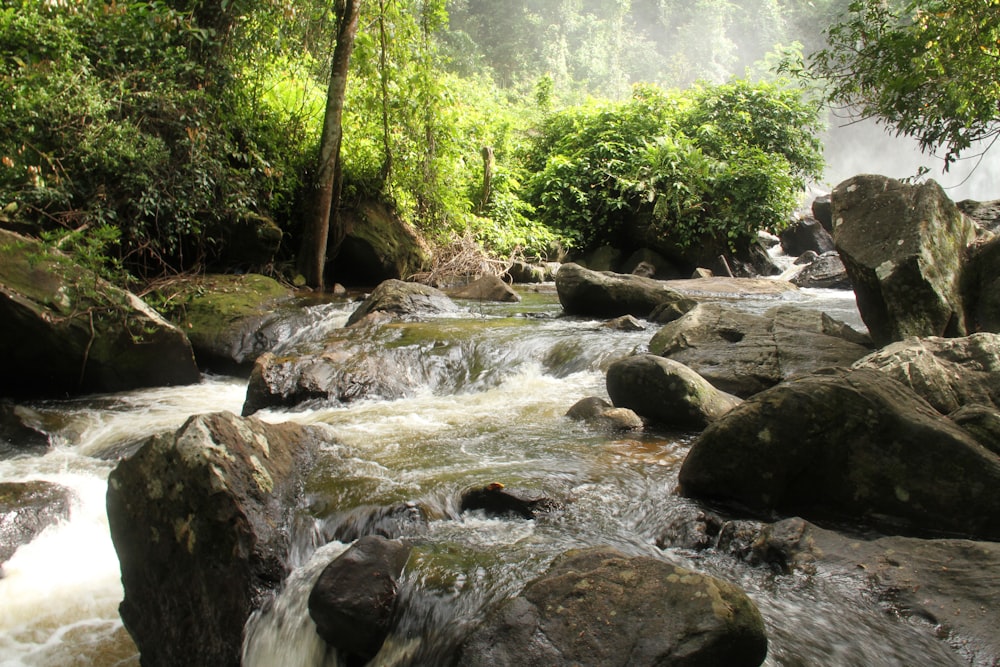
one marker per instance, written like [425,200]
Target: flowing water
[497,383]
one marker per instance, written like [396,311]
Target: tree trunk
[324,228]
[488,161]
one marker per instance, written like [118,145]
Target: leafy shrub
[723,161]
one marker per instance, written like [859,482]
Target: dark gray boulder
[981,285]
[666,392]
[201,522]
[377,245]
[69,332]
[496,501]
[986,214]
[598,607]
[353,599]
[400,299]
[903,247]
[28,508]
[803,235]
[607,295]
[742,353]
[826,272]
[946,372]
[822,210]
[848,444]
[982,422]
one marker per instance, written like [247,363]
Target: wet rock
[825,272]
[803,235]
[200,520]
[808,257]
[950,583]
[599,607]
[666,392]
[946,372]
[602,414]
[486,288]
[354,597]
[403,300]
[742,353]
[28,508]
[693,527]
[17,437]
[496,502]
[649,263]
[230,319]
[607,295]
[903,247]
[404,519]
[625,323]
[523,272]
[70,332]
[848,444]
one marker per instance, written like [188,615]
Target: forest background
[140,135]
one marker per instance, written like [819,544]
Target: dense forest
[146,136]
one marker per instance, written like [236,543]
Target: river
[497,416]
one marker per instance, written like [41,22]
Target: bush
[723,161]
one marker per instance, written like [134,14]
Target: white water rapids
[505,423]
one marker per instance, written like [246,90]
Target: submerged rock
[201,523]
[742,353]
[598,607]
[28,508]
[67,331]
[666,392]
[354,597]
[16,436]
[607,295]
[497,502]
[903,247]
[848,444]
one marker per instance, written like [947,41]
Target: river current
[493,411]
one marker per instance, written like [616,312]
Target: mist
[869,148]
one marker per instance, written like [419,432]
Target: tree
[326,195]
[930,69]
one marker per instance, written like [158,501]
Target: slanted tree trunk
[324,227]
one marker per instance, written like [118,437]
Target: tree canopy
[928,68]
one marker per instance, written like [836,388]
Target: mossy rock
[227,317]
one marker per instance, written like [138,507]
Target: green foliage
[928,68]
[111,122]
[723,162]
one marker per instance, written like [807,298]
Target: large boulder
[201,522]
[353,600]
[852,444]
[66,331]
[667,392]
[903,247]
[377,246]
[401,299]
[946,372]
[486,288]
[743,353]
[28,508]
[606,295]
[599,607]
[230,319]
